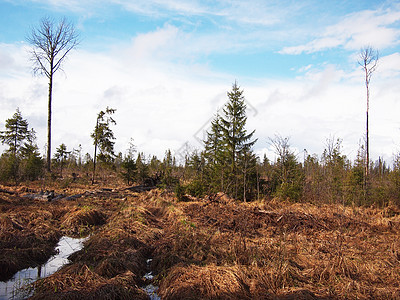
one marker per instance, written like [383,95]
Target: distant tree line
[227,164]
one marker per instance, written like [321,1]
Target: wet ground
[149,246]
[13,288]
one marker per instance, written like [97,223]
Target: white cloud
[325,103]
[163,104]
[163,95]
[169,43]
[389,66]
[237,11]
[355,31]
[259,12]
[153,97]
[157,43]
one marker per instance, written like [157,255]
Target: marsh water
[150,289]
[11,289]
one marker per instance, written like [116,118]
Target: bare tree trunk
[367,152]
[244,187]
[221,182]
[244,181]
[367,133]
[49,124]
[51,44]
[258,184]
[94,162]
[368,61]
[95,150]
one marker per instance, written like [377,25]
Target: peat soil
[201,249]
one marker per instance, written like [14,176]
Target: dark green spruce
[231,163]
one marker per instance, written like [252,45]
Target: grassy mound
[113,261]
[78,281]
[81,220]
[207,249]
[210,282]
[27,239]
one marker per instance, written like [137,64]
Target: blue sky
[166,67]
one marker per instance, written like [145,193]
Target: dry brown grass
[282,250]
[113,261]
[211,282]
[78,281]
[28,234]
[211,250]
[79,221]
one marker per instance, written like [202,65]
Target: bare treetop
[368,60]
[51,43]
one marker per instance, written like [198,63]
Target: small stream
[11,289]
[150,289]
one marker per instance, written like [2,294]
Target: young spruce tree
[22,149]
[229,147]
[103,138]
[214,154]
[61,156]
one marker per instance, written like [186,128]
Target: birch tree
[51,44]
[368,60]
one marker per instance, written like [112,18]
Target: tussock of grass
[113,260]
[27,237]
[208,249]
[78,281]
[210,282]
[80,220]
[281,251]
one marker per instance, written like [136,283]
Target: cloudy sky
[166,66]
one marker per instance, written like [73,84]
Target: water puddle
[150,289]
[11,289]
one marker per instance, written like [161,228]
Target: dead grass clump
[297,251]
[273,279]
[27,239]
[118,263]
[113,261]
[122,244]
[155,195]
[335,268]
[8,226]
[15,259]
[78,281]
[110,267]
[234,218]
[299,294]
[80,220]
[9,265]
[112,256]
[185,241]
[247,219]
[209,282]
[390,211]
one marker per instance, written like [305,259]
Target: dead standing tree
[50,45]
[368,60]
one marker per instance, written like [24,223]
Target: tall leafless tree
[368,60]
[51,42]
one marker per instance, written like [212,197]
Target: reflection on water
[150,289]
[65,247]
